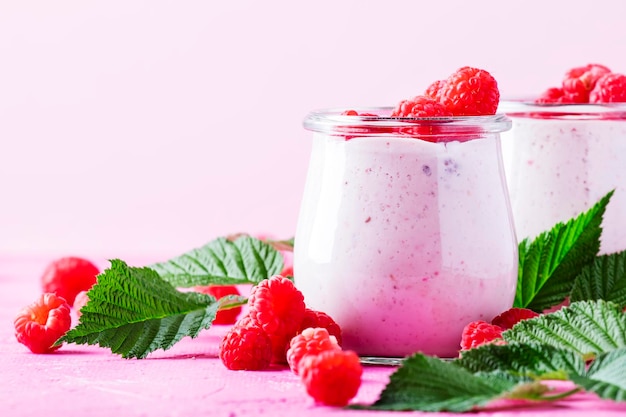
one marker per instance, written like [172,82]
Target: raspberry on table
[228,316]
[332,377]
[246,347]
[310,342]
[277,306]
[420,106]
[68,276]
[313,318]
[478,333]
[40,324]
[512,316]
[610,88]
[470,92]
[245,321]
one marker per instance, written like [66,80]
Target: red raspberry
[310,342]
[470,92]
[611,88]
[353,131]
[420,106]
[246,348]
[332,377]
[228,316]
[589,74]
[423,107]
[314,318]
[478,333]
[356,113]
[551,95]
[40,324]
[68,276]
[575,92]
[579,81]
[80,301]
[512,316]
[278,307]
[434,90]
[245,321]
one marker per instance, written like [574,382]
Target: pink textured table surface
[188,380]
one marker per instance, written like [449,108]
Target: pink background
[150,127]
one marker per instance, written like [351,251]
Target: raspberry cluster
[277,307]
[279,329]
[481,332]
[64,283]
[591,83]
[466,92]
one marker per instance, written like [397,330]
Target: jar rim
[328,120]
[528,108]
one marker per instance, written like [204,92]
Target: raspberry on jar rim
[470,92]
[610,88]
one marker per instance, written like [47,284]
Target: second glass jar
[560,160]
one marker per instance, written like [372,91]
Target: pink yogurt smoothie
[559,166]
[404,241]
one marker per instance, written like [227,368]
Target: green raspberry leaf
[605,279]
[588,328]
[134,312]
[606,376]
[431,384]
[523,360]
[549,264]
[246,260]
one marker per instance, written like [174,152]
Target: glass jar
[562,159]
[405,232]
